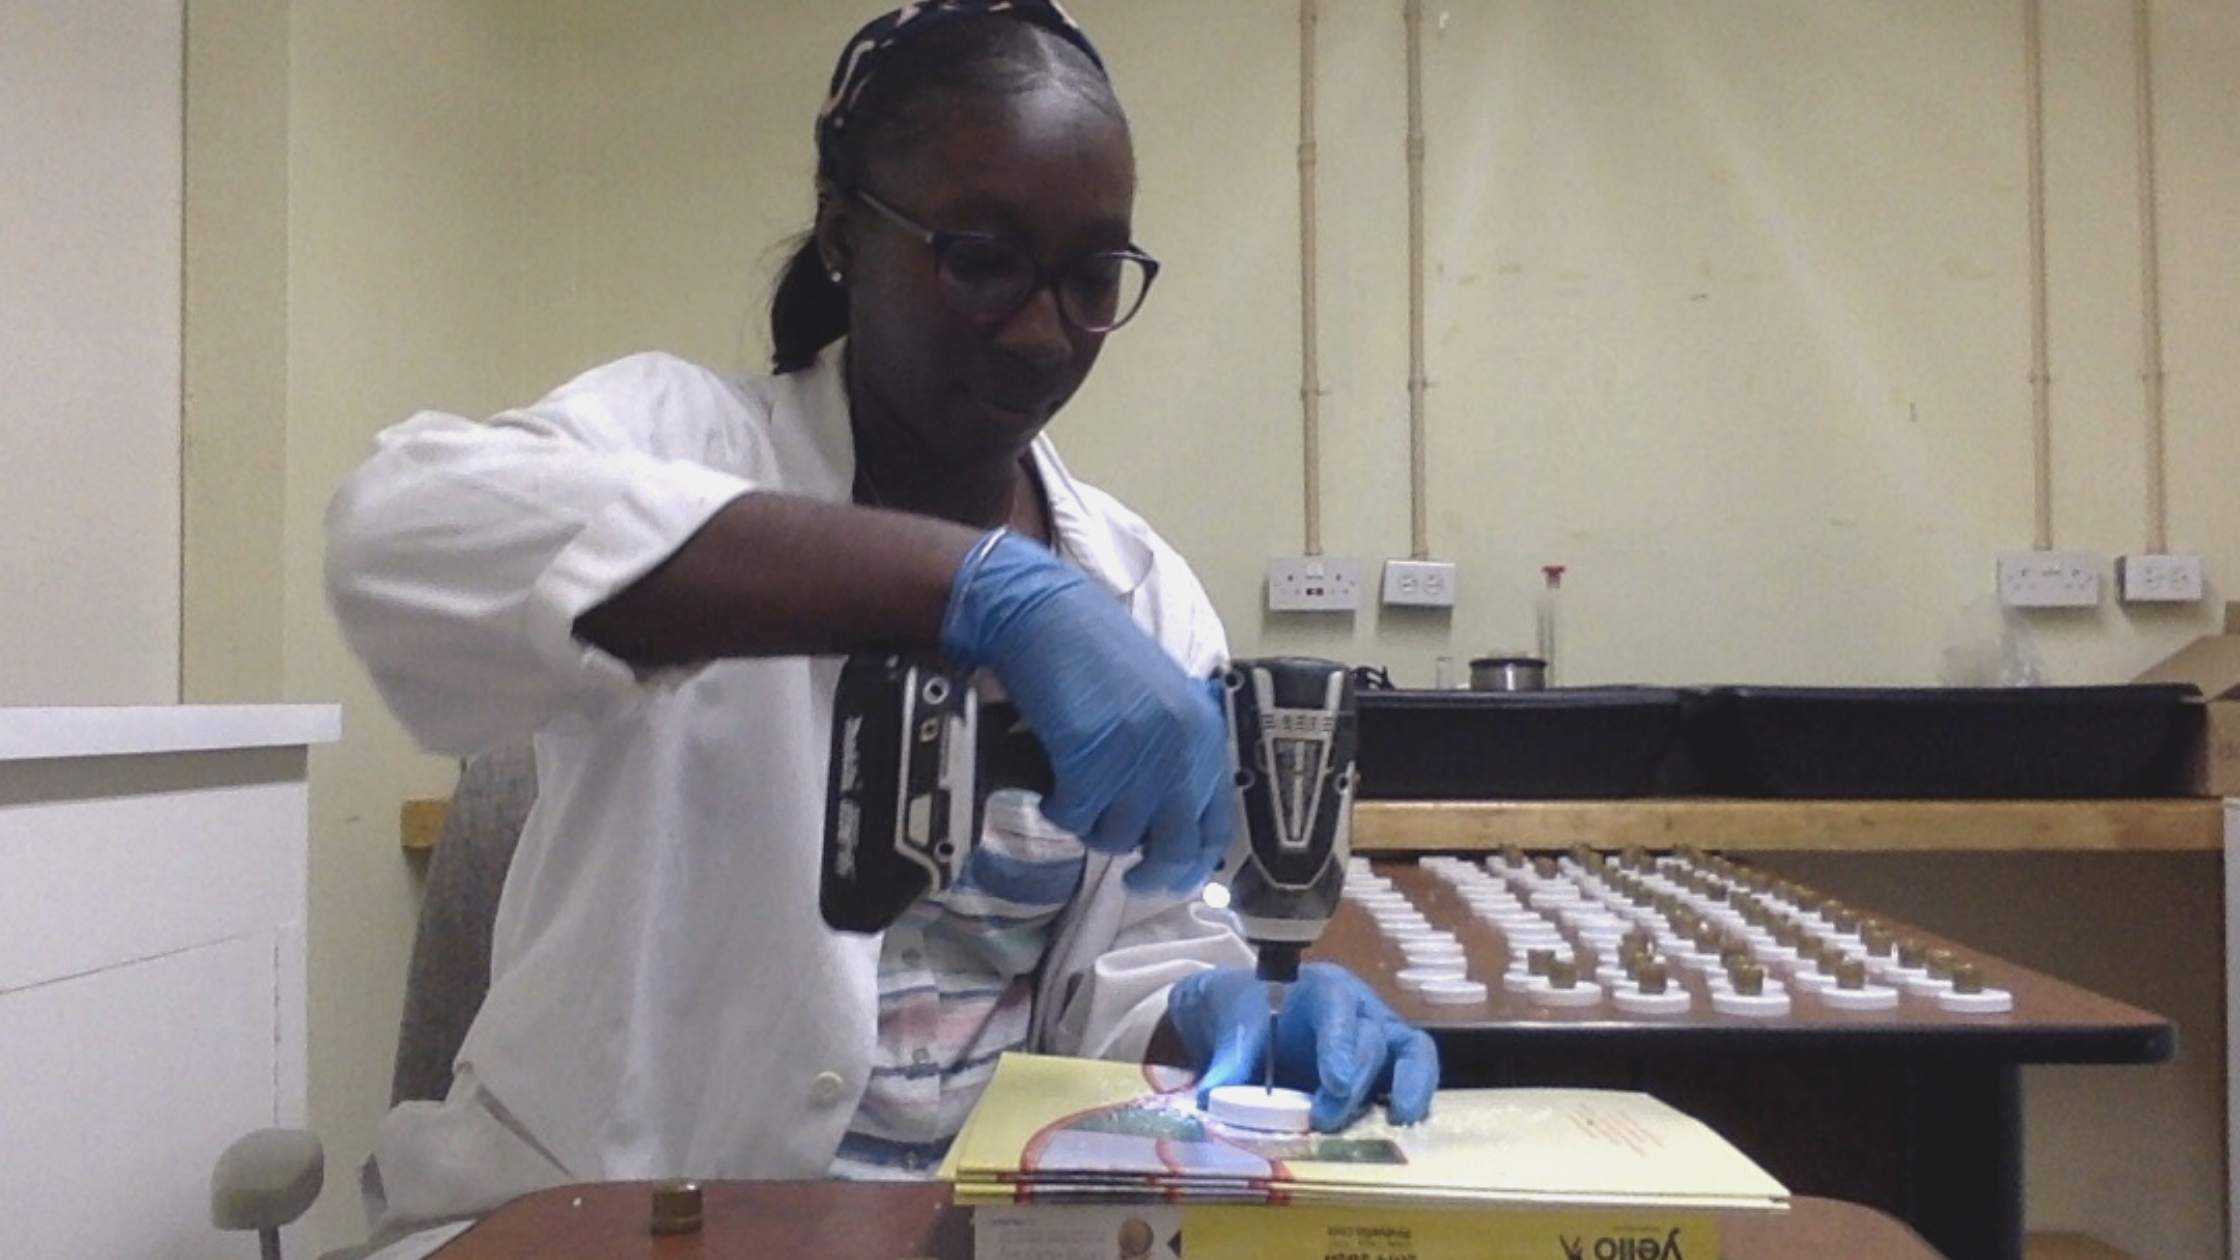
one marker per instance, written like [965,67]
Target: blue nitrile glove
[1139,749]
[1335,1038]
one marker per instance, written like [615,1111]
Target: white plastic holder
[1518,980]
[1509,919]
[1431,951]
[1813,981]
[1584,993]
[1873,997]
[1673,1001]
[1454,992]
[1261,1109]
[1602,940]
[1771,1004]
[1418,975]
[1926,985]
[1984,1002]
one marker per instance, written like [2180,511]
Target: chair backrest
[450,970]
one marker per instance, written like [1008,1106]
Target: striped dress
[956,991]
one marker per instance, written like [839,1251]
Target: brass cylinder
[1749,979]
[676,1207]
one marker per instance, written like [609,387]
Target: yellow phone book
[1082,1131]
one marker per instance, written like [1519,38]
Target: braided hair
[886,98]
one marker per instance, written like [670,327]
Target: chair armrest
[267,1179]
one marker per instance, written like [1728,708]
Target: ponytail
[807,313]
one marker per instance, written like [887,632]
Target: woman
[655,571]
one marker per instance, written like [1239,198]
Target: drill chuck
[1279,961]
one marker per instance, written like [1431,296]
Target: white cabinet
[152,997]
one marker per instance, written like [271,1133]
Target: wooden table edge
[610,1216]
[2162,825]
[2159,825]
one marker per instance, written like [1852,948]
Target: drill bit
[1268,1055]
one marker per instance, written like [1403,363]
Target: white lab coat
[664,999]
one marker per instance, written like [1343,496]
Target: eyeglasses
[984,278]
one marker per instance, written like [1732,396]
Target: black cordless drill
[915,756]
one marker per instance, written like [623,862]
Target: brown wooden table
[2167,825]
[1916,1111]
[833,1220]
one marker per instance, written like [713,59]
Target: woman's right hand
[1139,748]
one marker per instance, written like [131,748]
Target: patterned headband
[876,41]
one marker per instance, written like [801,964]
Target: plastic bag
[1986,645]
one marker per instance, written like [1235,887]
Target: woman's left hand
[1335,1038]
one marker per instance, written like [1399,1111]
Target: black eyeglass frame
[941,243]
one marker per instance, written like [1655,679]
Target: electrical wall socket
[2049,579]
[1419,583]
[1314,584]
[2158,579]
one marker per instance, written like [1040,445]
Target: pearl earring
[835,277]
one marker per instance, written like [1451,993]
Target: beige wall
[1728,312]
[383,175]
[234,474]
[89,348]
